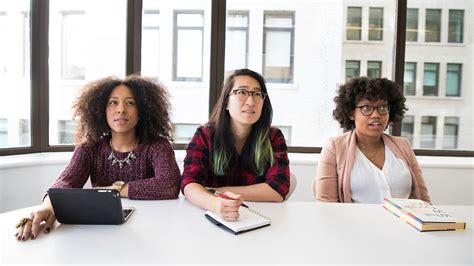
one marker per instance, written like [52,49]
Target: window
[450,139]
[374,69]
[14,73]
[183,133]
[86,42]
[188,45]
[456,26]
[150,43]
[3,133]
[352,69]
[433,25]
[73,45]
[409,78]
[354,23]
[453,80]
[67,129]
[412,25]
[3,51]
[430,79]
[408,126]
[375,24]
[278,39]
[26,44]
[428,132]
[237,40]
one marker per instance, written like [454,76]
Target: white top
[369,184]
[175,231]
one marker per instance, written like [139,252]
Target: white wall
[25,178]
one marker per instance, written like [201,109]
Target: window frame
[39,21]
[378,30]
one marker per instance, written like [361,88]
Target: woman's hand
[227,206]
[42,218]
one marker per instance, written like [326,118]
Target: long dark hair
[257,152]
[152,103]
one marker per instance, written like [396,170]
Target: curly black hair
[356,89]
[152,102]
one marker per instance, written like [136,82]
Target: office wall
[25,178]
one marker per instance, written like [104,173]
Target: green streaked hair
[257,153]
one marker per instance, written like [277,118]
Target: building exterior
[304,49]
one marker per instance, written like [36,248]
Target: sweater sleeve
[165,182]
[278,175]
[78,170]
[325,186]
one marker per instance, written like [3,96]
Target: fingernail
[16,234]
[32,237]
[23,238]
[47,230]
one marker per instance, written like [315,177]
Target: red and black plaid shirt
[198,165]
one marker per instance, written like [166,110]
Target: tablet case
[87,206]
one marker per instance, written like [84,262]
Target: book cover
[422,215]
[248,220]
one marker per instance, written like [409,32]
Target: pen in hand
[221,195]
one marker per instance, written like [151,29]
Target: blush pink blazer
[332,182]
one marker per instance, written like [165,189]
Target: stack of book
[421,215]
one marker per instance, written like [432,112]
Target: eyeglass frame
[249,93]
[374,108]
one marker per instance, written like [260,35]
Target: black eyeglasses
[367,110]
[244,94]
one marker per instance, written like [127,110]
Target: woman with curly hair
[237,153]
[123,143]
[365,164]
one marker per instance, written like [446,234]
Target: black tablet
[88,206]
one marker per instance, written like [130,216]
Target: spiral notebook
[248,220]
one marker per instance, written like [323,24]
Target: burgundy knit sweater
[153,174]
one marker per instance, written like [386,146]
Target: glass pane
[450,139]
[375,24]
[456,26]
[176,50]
[412,25]
[453,80]
[433,25]
[188,45]
[278,39]
[430,80]
[352,69]
[236,45]
[83,46]
[354,23]
[374,69]
[151,43]
[428,132]
[15,111]
[409,79]
[320,56]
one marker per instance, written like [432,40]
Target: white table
[175,231]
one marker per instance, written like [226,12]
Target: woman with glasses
[365,164]
[237,155]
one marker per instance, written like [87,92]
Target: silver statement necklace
[128,160]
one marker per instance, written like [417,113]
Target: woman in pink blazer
[365,164]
